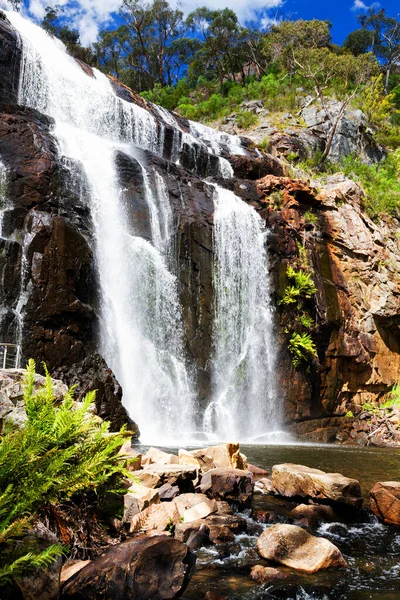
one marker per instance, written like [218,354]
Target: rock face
[158,568]
[385,502]
[296,480]
[294,547]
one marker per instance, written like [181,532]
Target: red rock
[385,501]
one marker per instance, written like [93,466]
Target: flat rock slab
[292,480]
[157,567]
[385,501]
[294,547]
[233,485]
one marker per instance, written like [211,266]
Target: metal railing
[9,356]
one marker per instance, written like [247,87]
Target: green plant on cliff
[59,452]
[301,347]
[301,285]
[394,398]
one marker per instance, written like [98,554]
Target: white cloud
[89,16]
[360,5]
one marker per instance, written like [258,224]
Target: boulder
[232,485]
[156,456]
[157,567]
[184,476]
[148,478]
[194,534]
[311,515]
[12,405]
[266,574]
[292,546]
[133,456]
[257,472]
[292,480]
[223,456]
[224,528]
[192,507]
[137,498]
[168,492]
[157,517]
[385,501]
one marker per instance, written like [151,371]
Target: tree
[150,43]
[358,41]
[222,52]
[289,36]
[385,32]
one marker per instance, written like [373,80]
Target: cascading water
[244,404]
[141,317]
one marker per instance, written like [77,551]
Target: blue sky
[89,16]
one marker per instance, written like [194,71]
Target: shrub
[189,111]
[380,182]
[264,145]
[246,119]
[59,452]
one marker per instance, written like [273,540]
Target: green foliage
[302,286]
[349,415]
[264,145]
[276,199]
[381,183]
[59,452]
[377,104]
[306,321]
[310,217]
[246,119]
[302,348]
[394,399]
[367,407]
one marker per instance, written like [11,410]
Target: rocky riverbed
[208,524]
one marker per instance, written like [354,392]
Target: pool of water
[371,549]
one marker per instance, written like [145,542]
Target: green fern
[59,452]
[302,348]
[302,286]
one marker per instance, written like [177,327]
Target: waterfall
[142,333]
[244,403]
[141,325]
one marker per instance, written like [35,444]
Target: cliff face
[47,259]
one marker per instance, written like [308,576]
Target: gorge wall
[50,285]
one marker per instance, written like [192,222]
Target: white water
[141,317]
[244,404]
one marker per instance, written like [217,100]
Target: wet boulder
[310,515]
[224,528]
[233,485]
[293,547]
[385,501]
[266,574]
[292,480]
[157,567]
